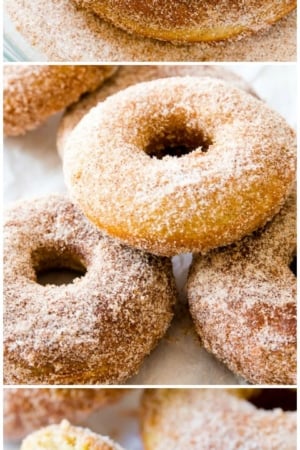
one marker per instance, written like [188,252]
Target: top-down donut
[243,302]
[130,75]
[67,437]
[190,20]
[180,164]
[33,93]
[26,410]
[218,419]
[97,329]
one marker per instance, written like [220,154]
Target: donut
[243,301]
[216,419]
[95,330]
[33,93]
[60,31]
[67,437]
[130,75]
[190,20]
[26,410]
[180,164]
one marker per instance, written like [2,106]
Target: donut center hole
[57,267]
[293,265]
[286,399]
[58,277]
[177,142]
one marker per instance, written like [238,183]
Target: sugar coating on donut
[130,75]
[26,410]
[236,177]
[243,301]
[83,36]
[190,20]
[212,419]
[97,329]
[67,437]
[33,93]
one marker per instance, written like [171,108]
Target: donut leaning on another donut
[97,329]
[190,20]
[193,419]
[180,164]
[67,437]
[243,301]
[26,410]
[33,93]
[130,75]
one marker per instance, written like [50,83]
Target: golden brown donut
[190,20]
[130,75]
[97,329]
[33,93]
[180,164]
[26,410]
[243,302]
[67,437]
[60,31]
[206,419]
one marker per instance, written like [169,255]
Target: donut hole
[57,266]
[293,265]
[269,399]
[177,142]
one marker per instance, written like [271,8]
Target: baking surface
[33,168]
[58,31]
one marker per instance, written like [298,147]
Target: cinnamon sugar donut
[26,410]
[85,36]
[33,93]
[190,20]
[99,328]
[194,419]
[67,437]
[243,302]
[130,75]
[181,164]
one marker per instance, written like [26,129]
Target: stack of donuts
[189,21]
[42,416]
[236,419]
[27,410]
[158,161]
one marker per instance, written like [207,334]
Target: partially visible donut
[26,410]
[243,302]
[193,419]
[180,164]
[67,437]
[33,93]
[61,31]
[99,328]
[190,20]
[130,75]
